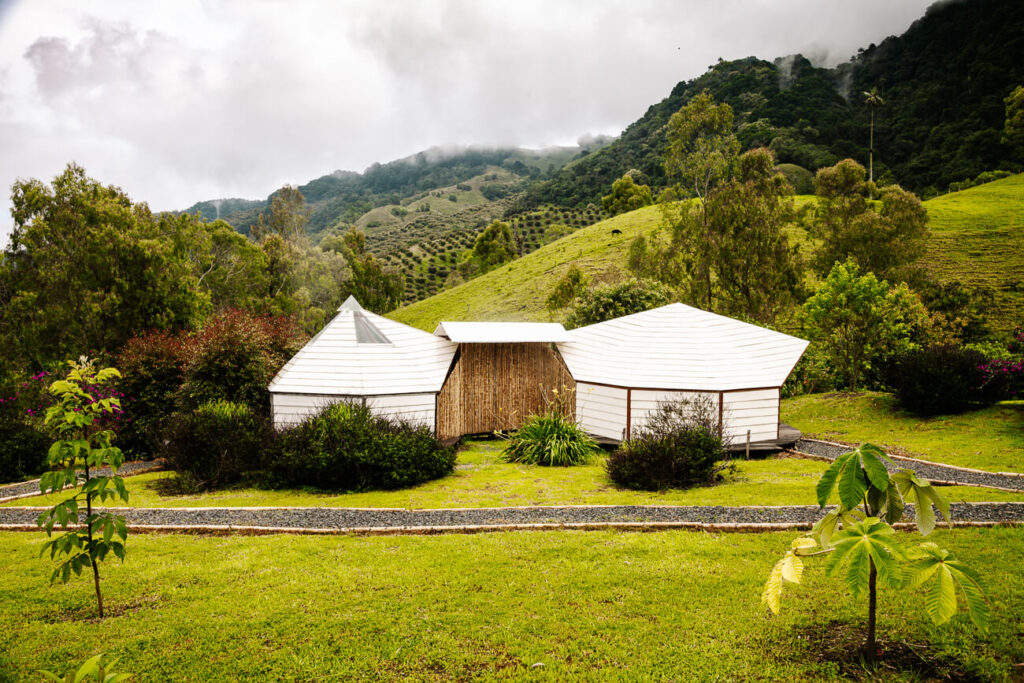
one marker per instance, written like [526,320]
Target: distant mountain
[343,197]
[943,82]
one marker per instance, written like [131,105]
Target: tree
[757,272]
[858,320]
[572,285]
[288,215]
[886,240]
[83,443]
[494,246]
[626,195]
[1014,128]
[858,537]
[700,154]
[614,301]
[375,288]
[85,269]
[873,100]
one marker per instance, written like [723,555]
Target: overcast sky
[188,100]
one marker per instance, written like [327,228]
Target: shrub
[345,447]
[550,438]
[216,444]
[234,358]
[153,373]
[941,380]
[680,446]
[613,301]
[22,451]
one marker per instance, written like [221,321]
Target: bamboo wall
[497,386]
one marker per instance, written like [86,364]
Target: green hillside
[517,290]
[977,238]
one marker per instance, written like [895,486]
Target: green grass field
[990,439]
[977,238]
[482,481]
[513,606]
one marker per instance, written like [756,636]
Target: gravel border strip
[30,489]
[935,472]
[371,520]
[723,527]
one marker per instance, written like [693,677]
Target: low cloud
[180,102]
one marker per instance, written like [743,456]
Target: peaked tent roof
[359,353]
[501,333]
[680,347]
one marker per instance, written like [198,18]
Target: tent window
[366,332]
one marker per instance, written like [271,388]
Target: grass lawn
[481,481]
[523,606]
[990,439]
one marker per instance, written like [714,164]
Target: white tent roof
[501,333]
[360,353]
[680,347]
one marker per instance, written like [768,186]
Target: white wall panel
[757,411]
[601,410]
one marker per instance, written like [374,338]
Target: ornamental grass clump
[549,439]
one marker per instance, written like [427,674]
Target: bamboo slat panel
[497,386]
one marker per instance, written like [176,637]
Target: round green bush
[550,438]
[941,380]
[679,447]
[216,444]
[345,447]
[22,451]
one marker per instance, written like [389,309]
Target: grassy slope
[482,481]
[990,439]
[977,237]
[517,290]
[585,606]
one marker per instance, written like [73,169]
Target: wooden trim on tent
[690,391]
[629,411]
[721,413]
[778,426]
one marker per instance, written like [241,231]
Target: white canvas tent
[396,369]
[625,367]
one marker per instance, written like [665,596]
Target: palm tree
[872,99]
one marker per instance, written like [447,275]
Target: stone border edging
[919,461]
[134,468]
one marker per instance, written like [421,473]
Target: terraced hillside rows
[977,238]
[427,250]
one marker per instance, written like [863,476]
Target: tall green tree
[626,195]
[85,269]
[702,149]
[494,246]
[567,289]
[374,287]
[1013,130]
[858,320]
[873,100]
[886,238]
[287,217]
[758,273]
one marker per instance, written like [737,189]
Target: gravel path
[929,470]
[395,520]
[31,488]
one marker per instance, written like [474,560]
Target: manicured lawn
[533,606]
[481,481]
[990,439]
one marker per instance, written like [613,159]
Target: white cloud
[183,101]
